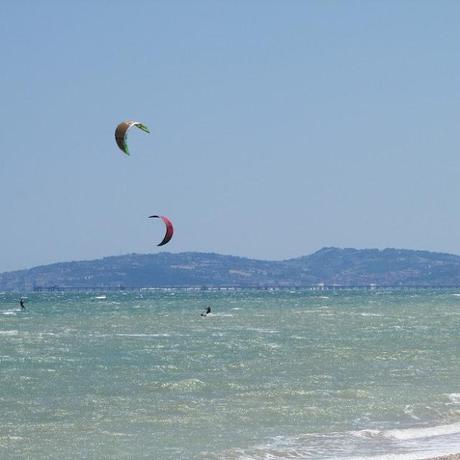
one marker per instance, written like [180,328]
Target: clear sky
[277,127]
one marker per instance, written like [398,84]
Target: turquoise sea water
[268,375]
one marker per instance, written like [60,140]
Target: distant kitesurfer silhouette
[21,302]
[208,310]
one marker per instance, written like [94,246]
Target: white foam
[454,397]
[423,432]
[143,335]
[409,410]
[115,433]
[419,455]
[417,443]
[371,444]
[262,330]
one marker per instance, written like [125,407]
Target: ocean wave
[370,444]
[262,330]
[186,385]
[143,335]
[422,432]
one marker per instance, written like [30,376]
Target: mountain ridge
[329,266]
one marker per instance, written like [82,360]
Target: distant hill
[331,266]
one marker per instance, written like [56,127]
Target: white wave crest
[455,398]
[425,432]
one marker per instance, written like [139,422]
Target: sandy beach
[448,457]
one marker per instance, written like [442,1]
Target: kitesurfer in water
[208,310]
[21,302]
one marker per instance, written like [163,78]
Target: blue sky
[277,128]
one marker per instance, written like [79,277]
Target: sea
[268,375]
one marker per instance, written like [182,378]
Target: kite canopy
[121,133]
[169,229]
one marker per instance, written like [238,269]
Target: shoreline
[447,457]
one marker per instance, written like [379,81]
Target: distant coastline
[327,268]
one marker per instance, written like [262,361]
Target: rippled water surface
[268,375]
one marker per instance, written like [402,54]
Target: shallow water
[268,375]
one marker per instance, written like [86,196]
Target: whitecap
[262,330]
[421,432]
[114,433]
[143,335]
[364,446]
[186,385]
[409,410]
[454,397]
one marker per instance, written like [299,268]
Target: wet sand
[448,457]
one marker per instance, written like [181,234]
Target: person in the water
[21,302]
[208,310]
